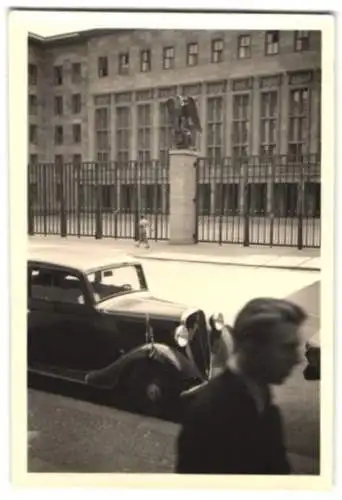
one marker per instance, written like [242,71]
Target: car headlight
[182,335]
[217,321]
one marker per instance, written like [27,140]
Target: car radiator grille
[199,343]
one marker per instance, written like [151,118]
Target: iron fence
[255,200]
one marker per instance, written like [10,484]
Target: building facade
[99,96]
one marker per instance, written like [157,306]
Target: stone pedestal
[182,195]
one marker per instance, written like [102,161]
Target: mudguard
[108,378]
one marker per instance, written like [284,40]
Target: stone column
[182,195]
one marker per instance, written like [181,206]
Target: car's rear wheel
[152,388]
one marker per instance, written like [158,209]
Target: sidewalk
[307,259]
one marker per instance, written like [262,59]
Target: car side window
[56,286]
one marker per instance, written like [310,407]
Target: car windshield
[113,281]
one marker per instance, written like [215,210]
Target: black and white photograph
[174,228]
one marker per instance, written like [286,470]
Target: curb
[233,264]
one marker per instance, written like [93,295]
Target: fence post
[30,216]
[195,200]
[136,199]
[62,206]
[271,162]
[221,205]
[98,215]
[246,200]
[300,206]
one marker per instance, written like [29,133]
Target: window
[33,193]
[33,134]
[257,198]
[76,104]
[298,122]
[145,61]
[215,129]
[102,145]
[108,197]
[58,135]
[76,159]
[192,54]
[58,105]
[59,160]
[165,134]
[33,159]
[168,57]
[102,67]
[240,130]
[272,42]
[285,199]
[127,197]
[115,281]
[76,74]
[226,198]
[124,63]
[204,195]
[312,199]
[76,132]
[244,46]
[123,133]
[58,75]
[217,50]
[144,132]
[302,40]
[33,74]
[55,286]
[268,122]
[32,104]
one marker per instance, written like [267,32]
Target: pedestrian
[231,426]
[144,227]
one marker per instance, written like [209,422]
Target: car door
[63,325]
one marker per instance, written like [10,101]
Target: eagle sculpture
[183,115]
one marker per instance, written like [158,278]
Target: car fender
[109,376]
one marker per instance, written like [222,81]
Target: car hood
[142,303]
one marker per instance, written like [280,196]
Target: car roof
[82,262]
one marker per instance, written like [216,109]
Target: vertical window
[302,40]
[77,159]
[268,122]
[59,135]
[168,57]
[123,134]
[32,104]
[215,129]
[244,46]
[217,50]
[192,54]
[33,159]
[257,198]
[102,128]
[124,63]
[102,66]
[33,74]
[76,104]
[241,104]
[33,135]
[58,75]
[144,133]
[58,105]
[298,122]
[76,74]
[272,43]
[145,61]
[76,133]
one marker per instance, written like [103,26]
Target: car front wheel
[153,389]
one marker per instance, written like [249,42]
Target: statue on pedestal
[185,121]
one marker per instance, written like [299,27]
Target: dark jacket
[223,433]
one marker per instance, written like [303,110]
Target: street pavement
[97,431]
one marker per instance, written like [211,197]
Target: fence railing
[255,200]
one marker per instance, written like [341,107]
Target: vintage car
[96,323]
